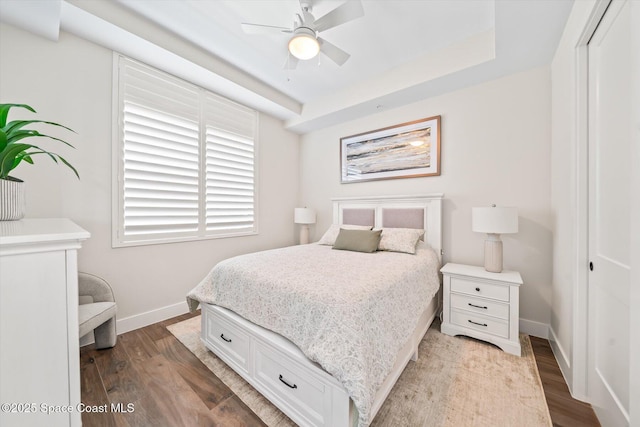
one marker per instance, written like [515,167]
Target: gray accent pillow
[358,240]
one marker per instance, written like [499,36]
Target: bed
[352,320]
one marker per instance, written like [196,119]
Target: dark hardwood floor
[565,410]
[158,382]
[152,373]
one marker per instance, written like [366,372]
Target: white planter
[12,200]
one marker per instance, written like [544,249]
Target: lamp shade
[494,220]
[304,216]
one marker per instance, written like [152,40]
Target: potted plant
[14,150]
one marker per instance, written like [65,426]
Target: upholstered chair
[97,310]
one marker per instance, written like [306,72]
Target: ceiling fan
[305,42]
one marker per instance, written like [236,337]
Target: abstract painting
[406,150]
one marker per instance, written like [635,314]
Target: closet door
[609,215]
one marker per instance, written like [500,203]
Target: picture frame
[407,150]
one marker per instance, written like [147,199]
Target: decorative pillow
[358,240]
[400,239]
[329,237]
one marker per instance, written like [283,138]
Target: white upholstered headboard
[421,211]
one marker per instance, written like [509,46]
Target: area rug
[457,381]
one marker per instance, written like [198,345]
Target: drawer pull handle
[286,383]
[478,306]
[477,289]
[226,339]
[479,324]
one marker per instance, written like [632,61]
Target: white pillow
[330,236]
[400,239]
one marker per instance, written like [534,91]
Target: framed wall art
[406,150]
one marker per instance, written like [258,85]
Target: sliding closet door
[609,215]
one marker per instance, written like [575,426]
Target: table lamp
[304,216]
[494,221]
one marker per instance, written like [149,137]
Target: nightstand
[482,305]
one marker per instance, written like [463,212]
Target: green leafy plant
[14,149]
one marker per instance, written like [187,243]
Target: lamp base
[304,234]
[493,253]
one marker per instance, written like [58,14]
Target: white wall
[634,345]
[495,149]
[70,82]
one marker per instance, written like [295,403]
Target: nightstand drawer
[480,305]
[480,289]
[480,323]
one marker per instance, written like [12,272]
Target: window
[185,160]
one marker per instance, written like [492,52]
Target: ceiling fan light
[304,45]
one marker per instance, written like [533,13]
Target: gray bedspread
[350,312]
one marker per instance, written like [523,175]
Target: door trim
[578,381]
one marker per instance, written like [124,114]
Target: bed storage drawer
[229,341]
[291,384]
[277,369]
[486,290]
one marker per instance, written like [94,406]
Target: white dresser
[39,347]
[482,305]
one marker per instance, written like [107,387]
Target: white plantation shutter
[230,179]
[186,160]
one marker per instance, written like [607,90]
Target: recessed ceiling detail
[401,51]
[390,33]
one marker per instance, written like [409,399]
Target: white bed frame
[280,371]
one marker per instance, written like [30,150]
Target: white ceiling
[402,51]
[394,42]
[391,33]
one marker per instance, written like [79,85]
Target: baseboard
[537,329]
[561,357]
[87,339]
[141,320]
[137,321]
[565,365]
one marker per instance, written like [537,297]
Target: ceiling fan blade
[291,63]
[346,12]
[263,29]
[334,53]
